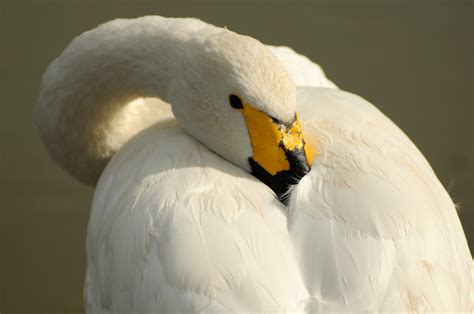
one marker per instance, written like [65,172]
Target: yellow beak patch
[270,139]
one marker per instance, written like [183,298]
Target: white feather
[372,226]
[302,70]
[175,228]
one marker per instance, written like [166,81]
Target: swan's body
[175,227]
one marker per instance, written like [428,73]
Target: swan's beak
[280,155]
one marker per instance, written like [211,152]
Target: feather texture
[175,228]
[372,226]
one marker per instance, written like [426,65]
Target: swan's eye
[235,101]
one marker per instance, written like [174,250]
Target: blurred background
[412,59]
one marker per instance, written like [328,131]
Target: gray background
[413,59]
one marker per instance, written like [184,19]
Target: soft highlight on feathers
[90,84]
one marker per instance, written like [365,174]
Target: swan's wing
[176,229]
[372,226]
[302,70]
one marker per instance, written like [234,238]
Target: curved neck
[85,92]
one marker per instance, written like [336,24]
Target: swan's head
[234,96]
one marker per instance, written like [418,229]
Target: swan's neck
[85,92]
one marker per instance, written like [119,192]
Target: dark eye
[235,101]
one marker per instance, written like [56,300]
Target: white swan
[179,224]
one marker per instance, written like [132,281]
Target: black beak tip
[283,180]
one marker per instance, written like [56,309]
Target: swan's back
[373,228]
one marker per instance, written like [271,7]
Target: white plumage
[175,227]
[190,232]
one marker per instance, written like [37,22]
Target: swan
[235,177]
